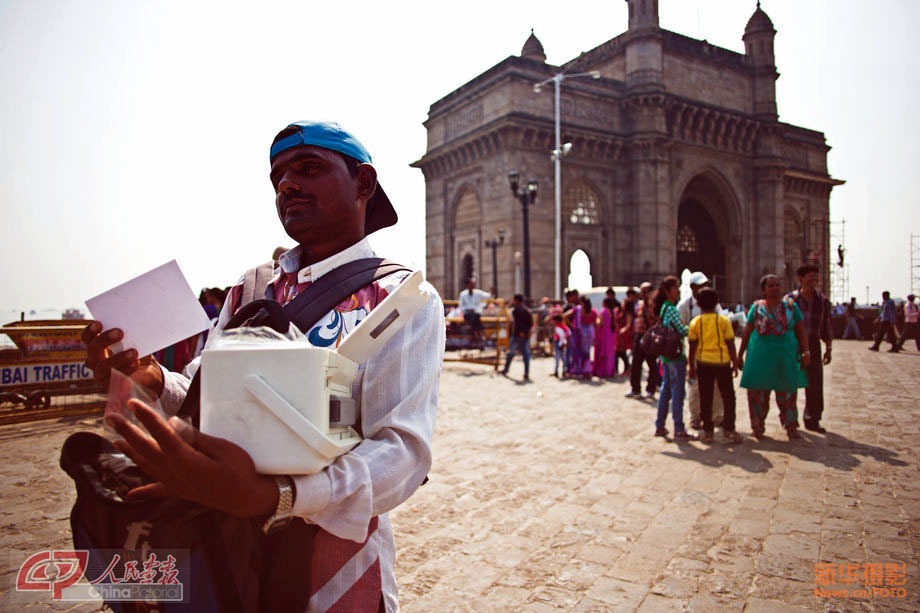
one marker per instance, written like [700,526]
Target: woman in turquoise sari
[777,349]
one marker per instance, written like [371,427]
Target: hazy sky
[137,132]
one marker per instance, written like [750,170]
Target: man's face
[809,280]
[317,199]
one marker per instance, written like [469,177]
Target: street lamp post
[559,151]
[527,195]
[493,244]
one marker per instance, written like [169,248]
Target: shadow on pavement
[837,452]
[742,455]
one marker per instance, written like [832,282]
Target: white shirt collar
[289,261]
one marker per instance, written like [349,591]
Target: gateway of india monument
[677,160]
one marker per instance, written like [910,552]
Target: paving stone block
[623,595]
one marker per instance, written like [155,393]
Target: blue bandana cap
[325,134]
[330,135]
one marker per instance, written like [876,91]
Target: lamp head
[532,189]
[514,179]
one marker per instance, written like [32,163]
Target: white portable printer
[289,404]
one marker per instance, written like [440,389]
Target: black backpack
[232,566]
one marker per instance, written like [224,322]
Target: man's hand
[736,366]
[827,356]
[806,360]
[692,372]
[101,360]
[193,466]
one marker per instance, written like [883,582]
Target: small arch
[467,269]
[580,270]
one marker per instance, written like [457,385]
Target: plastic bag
[258,335]
[122,389]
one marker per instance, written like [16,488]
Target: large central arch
[708,233]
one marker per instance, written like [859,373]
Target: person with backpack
[674,369]
[328,199]
[778,345]
[713,358]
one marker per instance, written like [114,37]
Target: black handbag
[662,341]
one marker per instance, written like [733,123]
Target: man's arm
[399,396]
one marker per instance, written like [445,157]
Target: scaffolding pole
[915,263]
[839,290]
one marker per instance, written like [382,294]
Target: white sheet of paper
[154,310]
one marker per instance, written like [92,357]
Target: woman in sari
[605,359]
[777,351]
[572,319]
[586,332]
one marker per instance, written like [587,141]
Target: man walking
[852,329]
[816,310]
[520,339]
[886,325]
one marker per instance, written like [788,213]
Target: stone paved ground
[554,494]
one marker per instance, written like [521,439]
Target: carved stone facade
[678,160]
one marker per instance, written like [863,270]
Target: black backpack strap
[335,286]
[255,281]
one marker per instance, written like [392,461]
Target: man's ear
[367,181]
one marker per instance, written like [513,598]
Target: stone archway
[466,239]
[704,235]
[583,230]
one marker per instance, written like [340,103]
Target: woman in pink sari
[605,358]
[587,332]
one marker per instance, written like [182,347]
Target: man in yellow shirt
[713,358]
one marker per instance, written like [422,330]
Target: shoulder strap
[335,286]
[255,281]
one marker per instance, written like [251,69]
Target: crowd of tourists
[785,343]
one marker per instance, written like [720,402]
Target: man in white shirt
[911,317]
[470,301]
[328,200]
[688,308]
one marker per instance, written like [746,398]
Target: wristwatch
[283,512]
